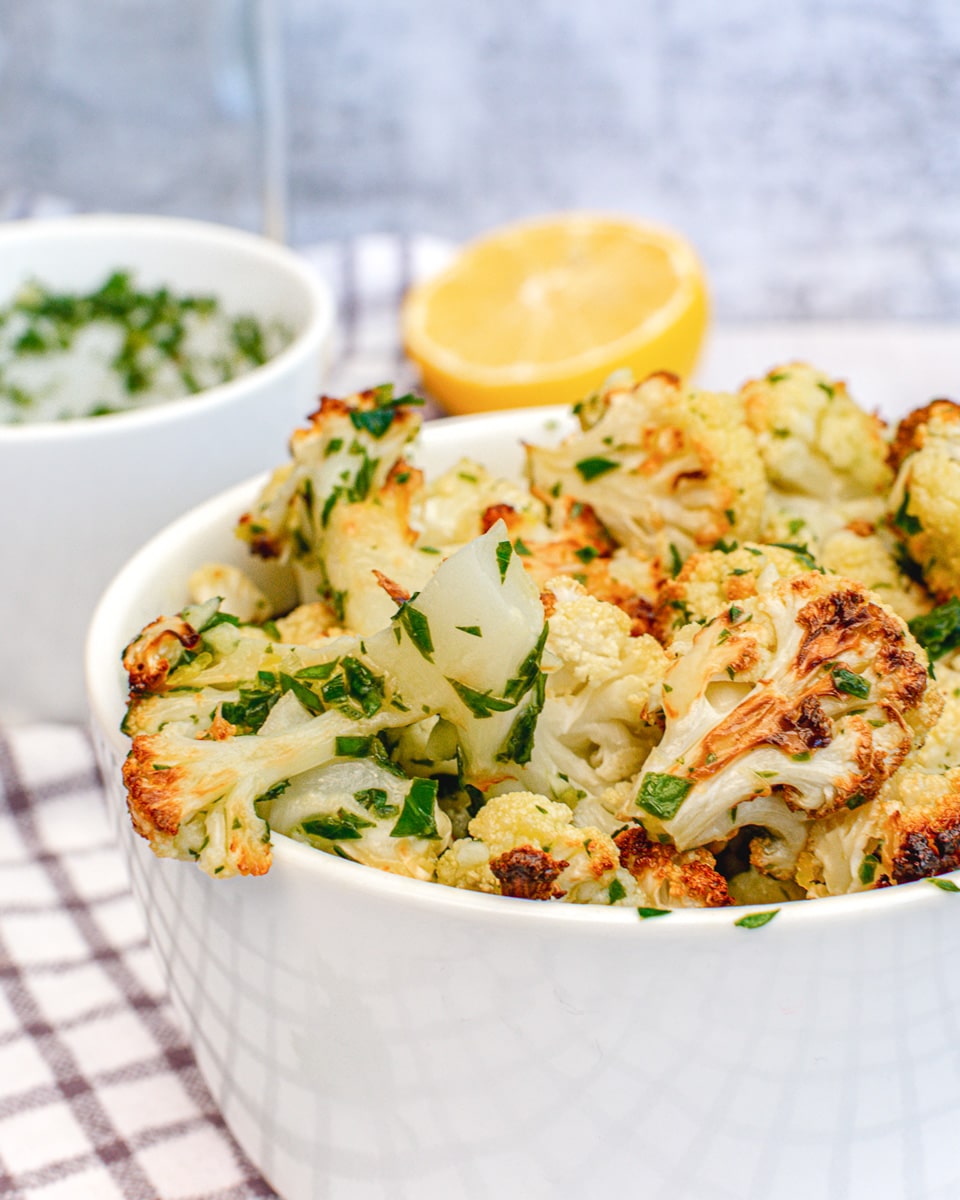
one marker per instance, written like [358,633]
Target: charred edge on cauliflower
[910,434]
[798,724]
[150,657]
[690,877]
[581,548]
[528,873]
[925,845]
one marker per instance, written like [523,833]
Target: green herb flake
[307,697]
[938,631]
[473,630]
[801,553]
[616,891]
[646,913]
[755,920]
[417,818]
[355,746]
[375,421]
[868,869]
[522,548]
[504,554]
[850,683]
[905,520]
[344,826]
[481,704]
[592,468]
[376,801]
[417,628]
[662,795]
[676,562]
[945,885]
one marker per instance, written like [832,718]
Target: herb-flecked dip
[119,347]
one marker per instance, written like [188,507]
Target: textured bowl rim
[316,330]
[106,696]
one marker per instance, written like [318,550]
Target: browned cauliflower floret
[786,707]
[924,503]
[711,581]
[669,878]
[867,554]
[814,439]
[667,470]
[527,846]
[598,720]
[910,831]
[576,544]
[224,717]
[349,458]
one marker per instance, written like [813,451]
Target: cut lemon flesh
[542,312]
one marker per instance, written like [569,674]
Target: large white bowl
[79,496]
[370,1036]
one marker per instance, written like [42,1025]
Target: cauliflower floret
[527,846]
[668,878]
[450,509]
[194,796]
[575,543]
[599,718]
[910,831]
[924,503]
[667,470]
[309,624]
[345,457]
[235,589]
[709,582]
[814,439]
[370,561]
[789,707]
[868,556]
[364,809]
[472,640]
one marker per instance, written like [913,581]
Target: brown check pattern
[100,1096]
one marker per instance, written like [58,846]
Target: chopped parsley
[850,683]
[662,795]
[905,520]
[417,818]
[343,826]
[938,631]
[756,920]
[592,468]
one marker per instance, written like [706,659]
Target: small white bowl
[371,1036]
[79,496]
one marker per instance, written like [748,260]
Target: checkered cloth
[100,1097]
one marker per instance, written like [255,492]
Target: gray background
[811,150]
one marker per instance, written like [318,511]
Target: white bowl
[79,496]
[372,1036]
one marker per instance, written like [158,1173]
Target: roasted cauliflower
[815,441]
[785,708]
[924,503]
[706,653]
[667,470]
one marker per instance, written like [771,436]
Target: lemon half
[541,312]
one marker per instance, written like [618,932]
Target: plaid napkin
[100,1097]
